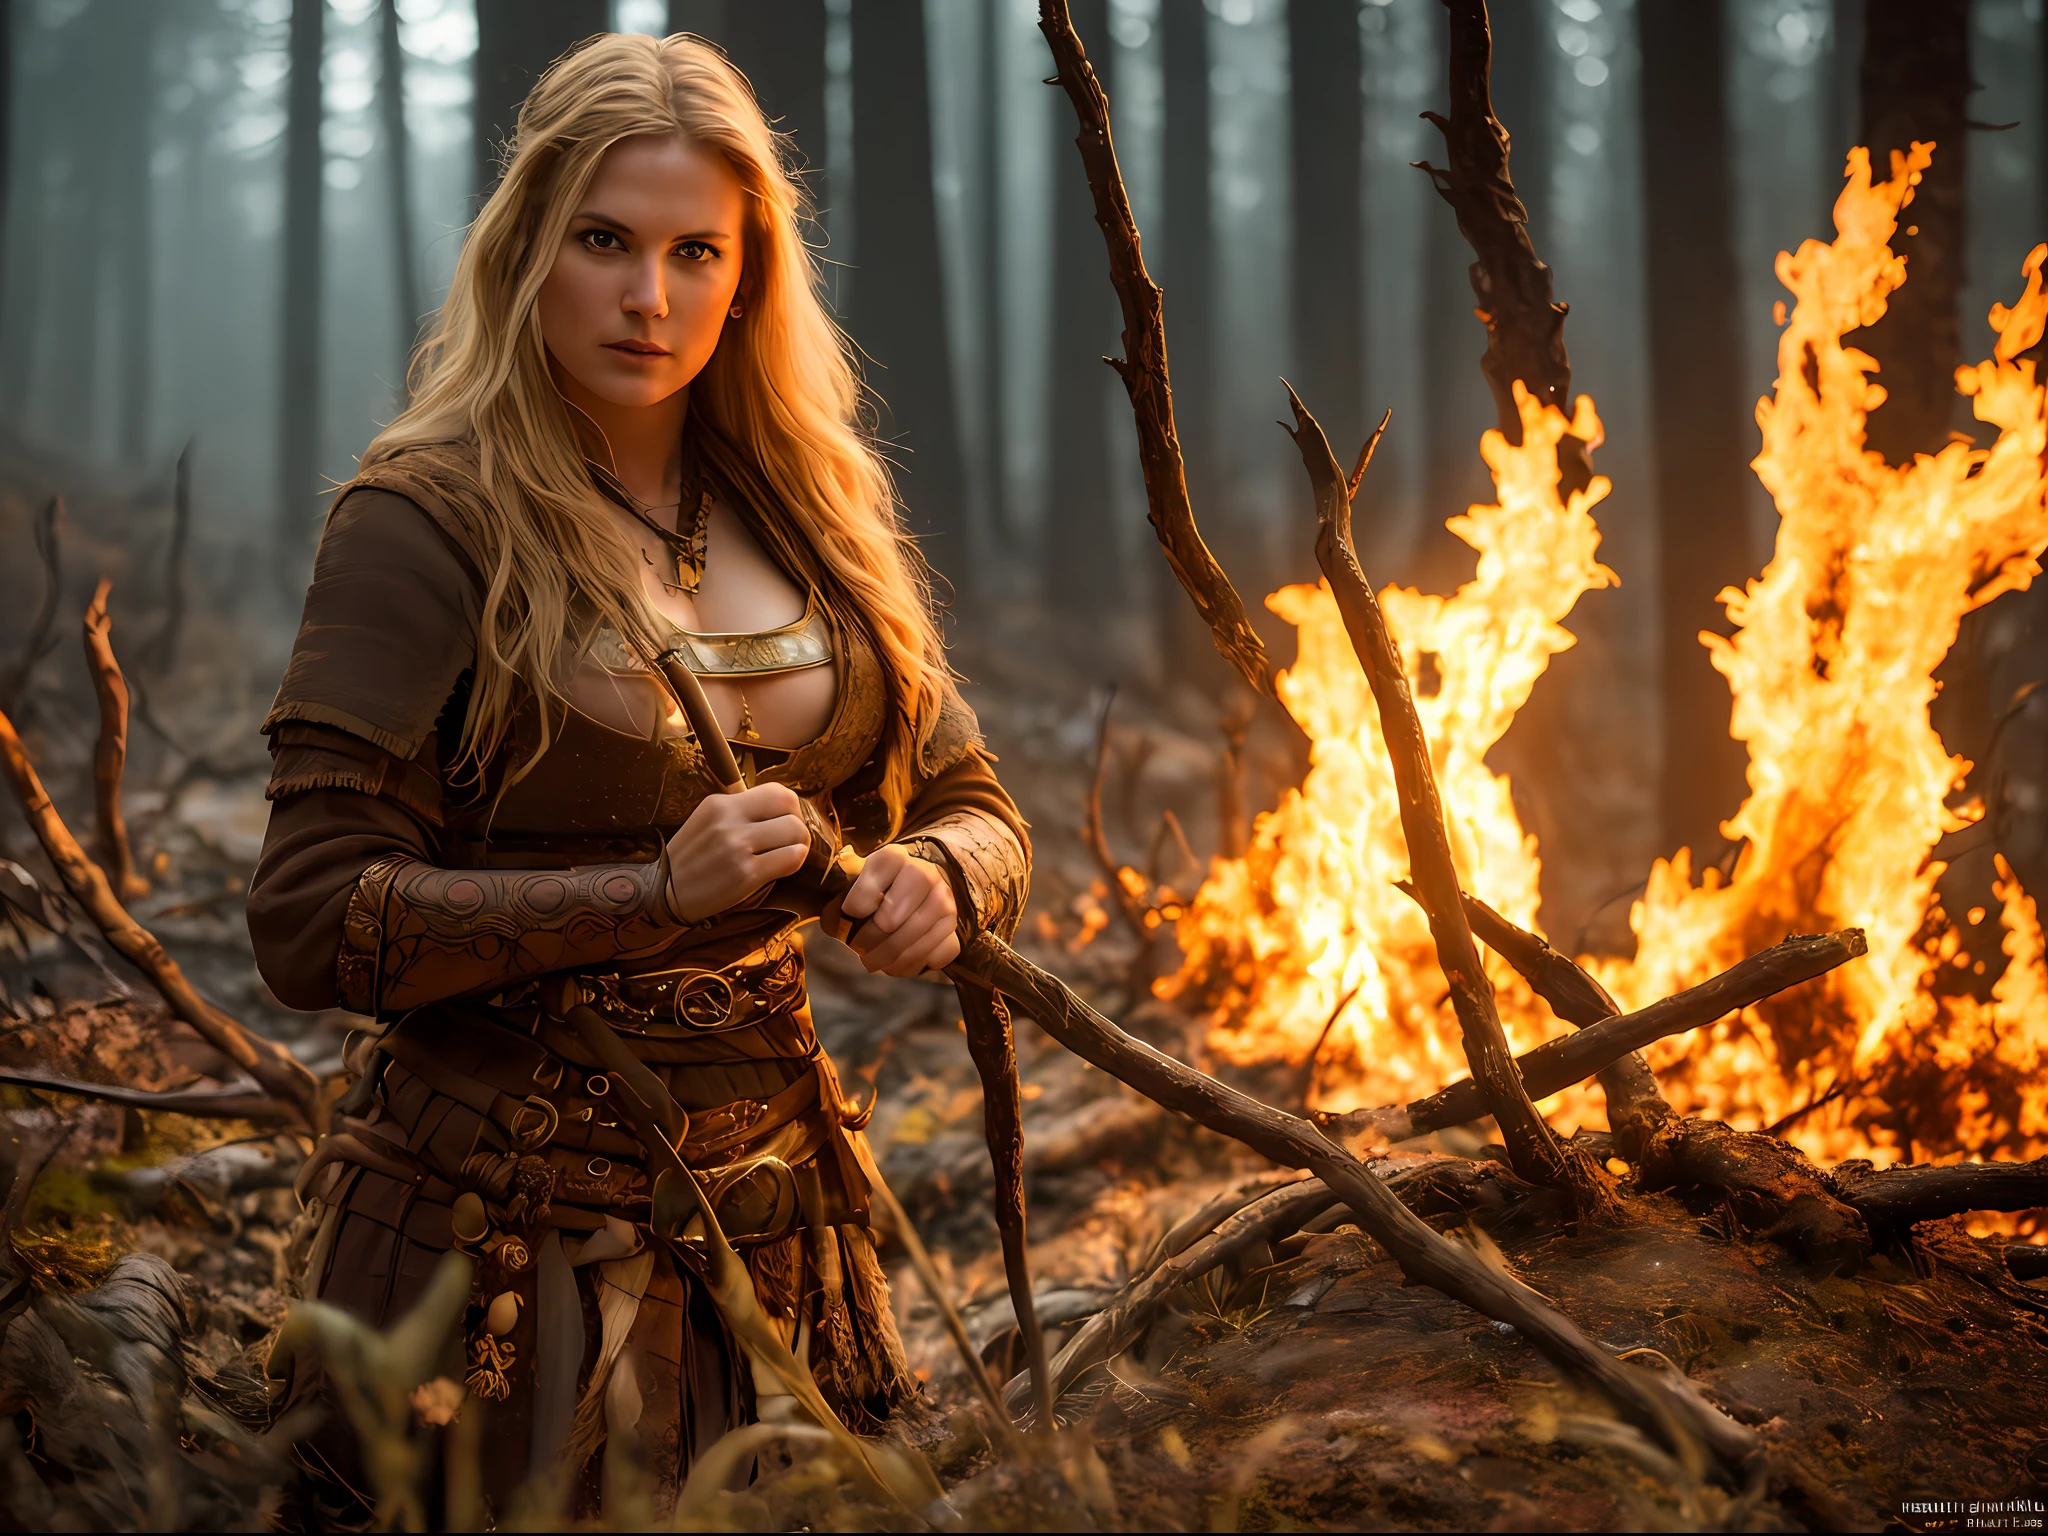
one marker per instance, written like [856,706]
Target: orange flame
[1831,671]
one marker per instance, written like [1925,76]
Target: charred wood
[1524,324]
[1898,1197]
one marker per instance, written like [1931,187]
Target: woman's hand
[910,916]
[731,846]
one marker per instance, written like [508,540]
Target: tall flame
[1831,671]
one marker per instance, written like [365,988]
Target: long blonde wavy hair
[781,388]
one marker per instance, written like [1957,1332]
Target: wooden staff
[989,1041]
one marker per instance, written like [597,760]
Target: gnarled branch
[110,757]
[1143,365]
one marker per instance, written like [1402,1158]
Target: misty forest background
[226,219]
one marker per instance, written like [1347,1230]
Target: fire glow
[1831,670]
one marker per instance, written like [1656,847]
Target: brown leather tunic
[445,904]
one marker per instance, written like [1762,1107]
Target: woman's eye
[602,240]
[696,250]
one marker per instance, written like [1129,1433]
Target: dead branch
[1143,366]
[1535,1152]
[1898,1197]
[1424,1255]
[1524,325]
[266,1061]
[1557,1064]
[1574,997]
[200,1103]
[42,635]
[1112,1330]
[1210,1214]
[110,757]
[992,1042]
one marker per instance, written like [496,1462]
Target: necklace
[685,545]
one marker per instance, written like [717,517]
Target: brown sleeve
[390,626]
[965,819]
[348,907]
[319,842]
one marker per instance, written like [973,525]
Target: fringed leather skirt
[488,1126]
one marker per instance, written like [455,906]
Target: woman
[632,433]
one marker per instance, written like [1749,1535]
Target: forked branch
[1143,365]
[1535,1152]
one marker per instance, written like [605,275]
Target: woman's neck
[641,445]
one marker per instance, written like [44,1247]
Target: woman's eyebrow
[593,217]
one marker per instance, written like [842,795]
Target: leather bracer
[415,933]
[991,873]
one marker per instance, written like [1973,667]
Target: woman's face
[646,275]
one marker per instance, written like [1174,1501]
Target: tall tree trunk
[995,425]
[298,460]
[1328,112]
[780,46]
[129,218]
[516,40]
[1696,406]
[1079,564]
[1522,52]
[1915,84]
[898,309]
[398,161]
[1185,267]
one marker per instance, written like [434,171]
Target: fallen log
[1533,1149]
[1557,1064]
[266,1061]
[1896,1198]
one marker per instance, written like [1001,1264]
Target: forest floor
[1301,1386]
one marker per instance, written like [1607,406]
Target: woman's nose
[648,294]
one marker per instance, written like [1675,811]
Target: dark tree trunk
[1185,268]
[398,161]
[302,290]
[1328,110]
[127,215]
[779,46]
[516,40]
[1915,85]
[1696,405]
[995,426]
[6,121]
[1079,558]
[898,309]
[717,22]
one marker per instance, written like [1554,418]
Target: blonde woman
[633,432]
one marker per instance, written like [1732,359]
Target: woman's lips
[643,351]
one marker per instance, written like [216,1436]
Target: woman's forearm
[415,933]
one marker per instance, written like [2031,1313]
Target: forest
[1531,1008]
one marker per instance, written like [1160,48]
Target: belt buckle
[753,1199]
[705,1001]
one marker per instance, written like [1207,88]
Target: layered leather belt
[701,999]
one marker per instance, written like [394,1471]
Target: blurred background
[226,221]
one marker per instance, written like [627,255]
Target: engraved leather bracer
[415,933]
[991,873]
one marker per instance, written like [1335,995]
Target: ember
[1831,670]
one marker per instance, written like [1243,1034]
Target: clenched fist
[909,910]
[731,846]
